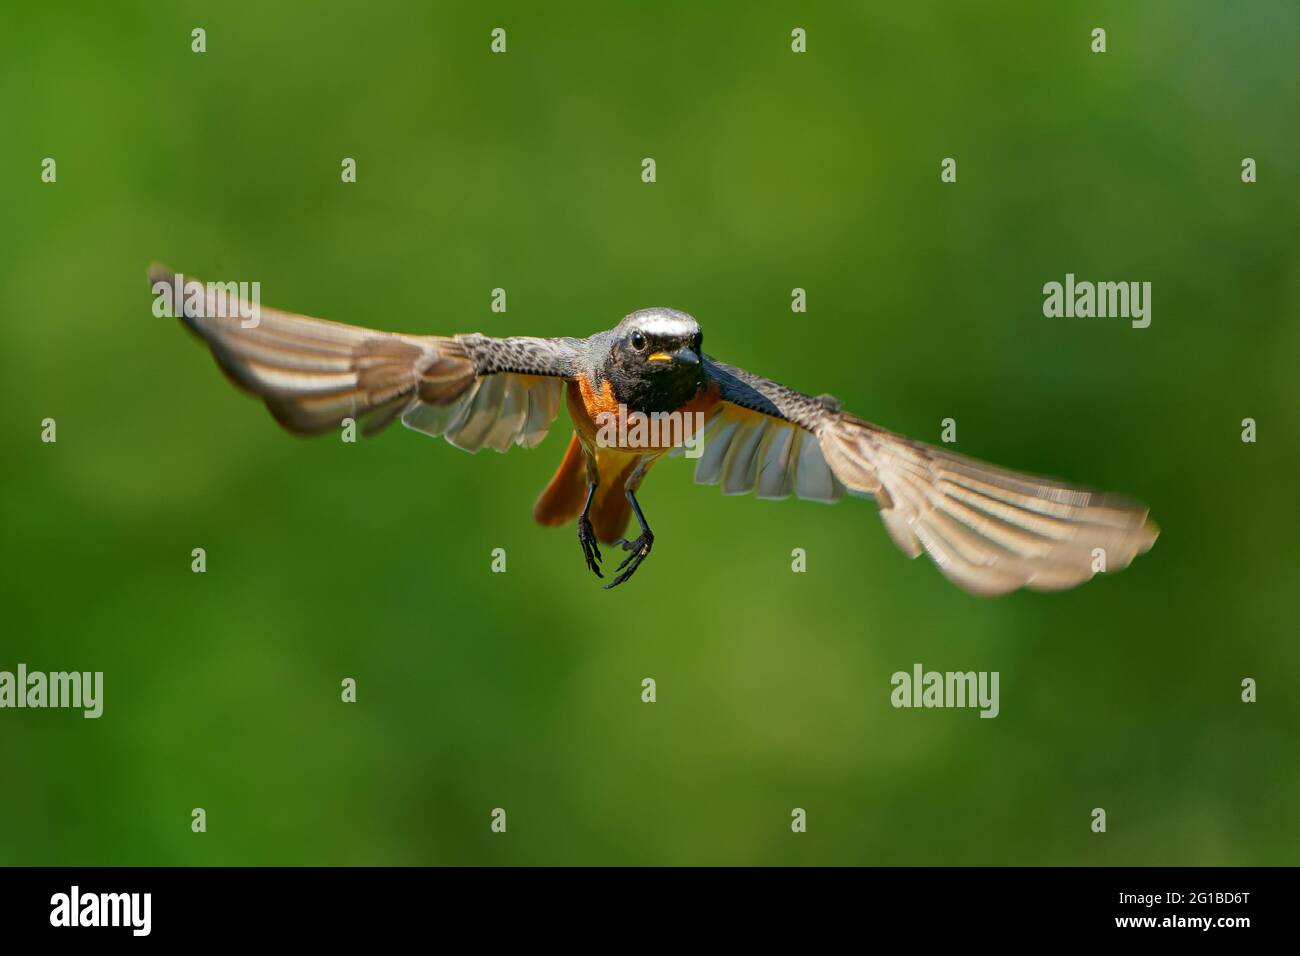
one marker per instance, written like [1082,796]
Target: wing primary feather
[989,529]
[312,374]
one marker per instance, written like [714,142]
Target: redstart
[988,529]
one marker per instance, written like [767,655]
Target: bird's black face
[654,360]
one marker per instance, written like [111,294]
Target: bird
[988,529]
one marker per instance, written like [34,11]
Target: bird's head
[655,358]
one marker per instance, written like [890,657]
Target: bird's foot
[638,550]
[590,550]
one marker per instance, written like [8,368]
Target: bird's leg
[640,548]
[586,536]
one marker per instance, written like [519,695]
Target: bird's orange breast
[597,414]
[589,404]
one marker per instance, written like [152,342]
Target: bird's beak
[682,356]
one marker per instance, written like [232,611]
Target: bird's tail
[562,499]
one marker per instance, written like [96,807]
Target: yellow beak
[659,357]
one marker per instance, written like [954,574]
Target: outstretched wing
[514,396]
[988,529]
[762,437]
[474,390]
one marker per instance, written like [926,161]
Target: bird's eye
[638,341]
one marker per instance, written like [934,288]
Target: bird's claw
[590,549]
[637,551]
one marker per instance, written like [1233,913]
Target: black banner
[1168,906]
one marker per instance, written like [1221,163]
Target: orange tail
[563,498]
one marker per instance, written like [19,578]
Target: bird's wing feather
[748,451]
[762,438]
[473,390]
[990,530]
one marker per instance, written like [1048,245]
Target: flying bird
[988,529]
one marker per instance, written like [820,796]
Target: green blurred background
[522,690]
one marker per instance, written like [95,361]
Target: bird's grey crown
[665,323]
